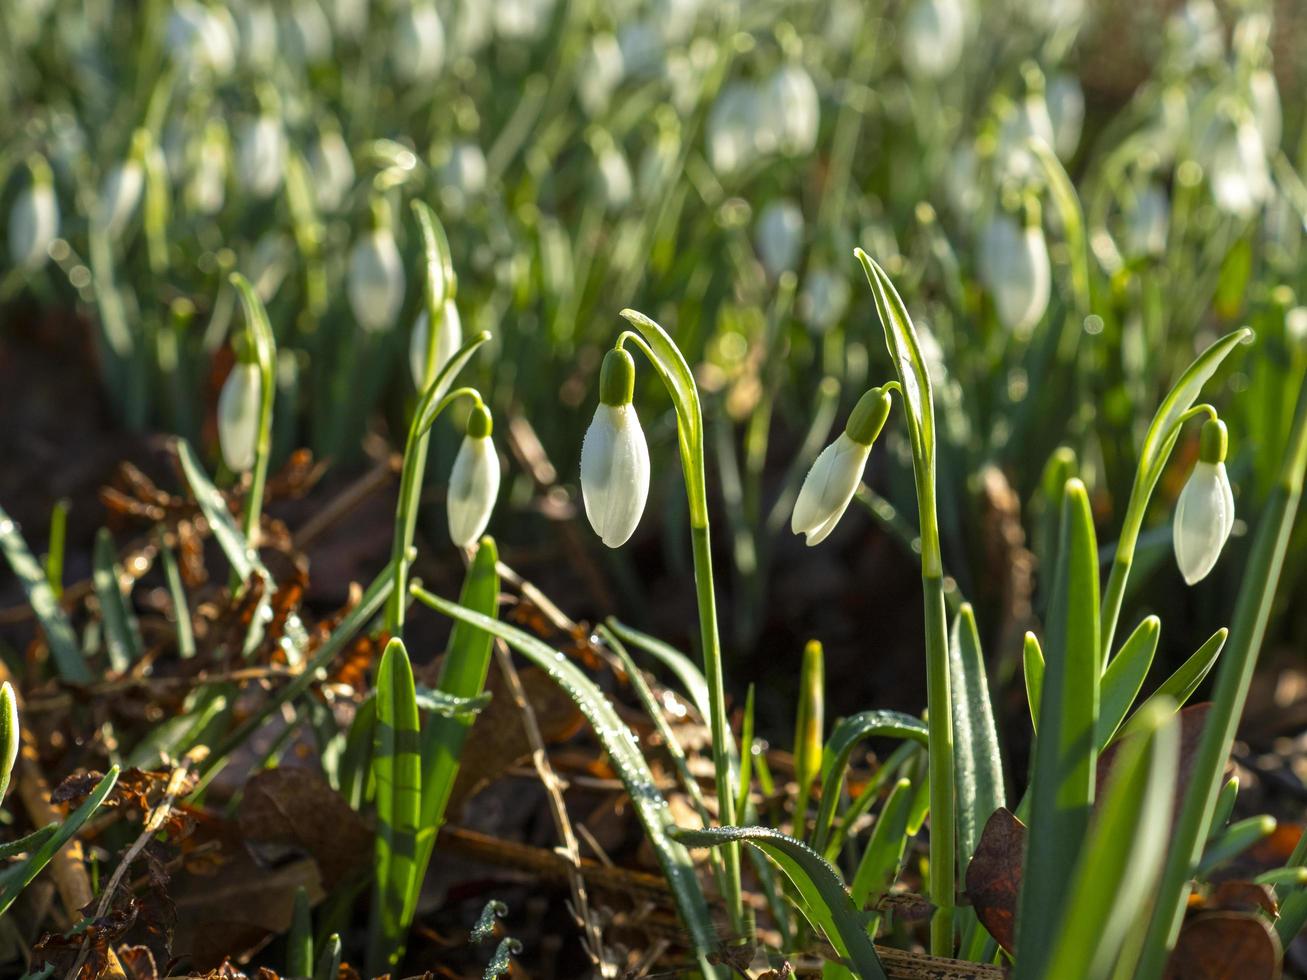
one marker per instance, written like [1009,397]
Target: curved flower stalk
[34,220]
[1204,514]
[837,471]
[615,456]
[376,273]
[614,464]
[474,481]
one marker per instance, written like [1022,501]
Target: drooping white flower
[206,189]
[642,48]
[448,342]
[1148,222]
[791,113]
[473,482]
[332,167]
[615,456]
[462,176]
[419,49]
[261,156]
[615,180]
[837,470]
[1015,269]
[307,33]
[733,128]
[1023,121]
[600,74]
[779,236]
[824,298]
[201,38]
[1235,159]
[34,218]
[1204,514]
[520,20]
[238,415]
[1265,97]
[932,37]
[1196,35]
[1066,111]
[256,24]
[120,194]
[375,281]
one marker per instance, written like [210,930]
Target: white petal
[376,281]
[447,344]
[1204,516]
[238,416]
[614,473]
[473,487]
[828,488]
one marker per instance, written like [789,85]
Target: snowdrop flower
[824,299]
[307,33]
[837,471]
[779,236]
[34,220]
[238,411]
[201,38]
[419,49]
[206,189]
[257,26]
[375,281]
[1235,160]
[521,20]
[474,481]
[614,176]
[1147,224]
[601,72]
[641,47]
[792,112]
[614,455]
[1014,268]
[332,167]
[1265,97]
[933,32]
[1066,112]
[121,191]
[462,176]
[1204,513]
[448,342]
[1196,34]
[261,155]
[733,126]
[1026,120]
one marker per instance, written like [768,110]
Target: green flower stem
[410,494]
[1140,494]
[676,377]
[1234,674]
[265,355]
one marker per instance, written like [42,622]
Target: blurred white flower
[306,33]
[779,236]
[1196,35]
[419,43]
[1014,268]
[1235,160]
[201,38]
[448,342]
[332,167]
[733,126]
[641,48]
[120,193]
[1022,121]
[350,17]
[473,482]
[1148,222]
[34,219]
[823,300]
[614,177]
[375,281]
[932,37]
[1066,112]
[521,20]
[206,188]
[256,24]
[1265,97]
[791,113]
[261,156]
[462,176]
[600,73]
[238,415]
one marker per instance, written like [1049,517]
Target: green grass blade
[898,764]
[624,754]
[1224,806]
[328,967]
[30,842]
[121,632]
[884,854]
[746,756]
[1180,686]
[299,942]
[977,762]
[355,767]
[824,900]
[397,765]
[1237,838]
[685,669]
[1124,677]
[11,736]
[54,557]
[214,507]
[1032,668]
[68,659]
[33,866]
[844,738]
[1113,883]
[462,675]
[1072,214]
[1062,777]
[180,605]
[808,727]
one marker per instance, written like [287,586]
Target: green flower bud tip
[869,416]
[1214,442]
[479,422]
[379,213]
[617,378]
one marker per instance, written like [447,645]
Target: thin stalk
[939,754]
[1234,674]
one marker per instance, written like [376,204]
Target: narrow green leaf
[1112,885]
[825,902]
[121,632]
[180,605]
[1224,807]
[440,282]
[685,669]
[30,842]
[978,765]
[1072,214]
[808,727]
[299,942]
[214,507]
[885,847]
[1180,686]
[355,767]
[33,866]
[1124,677]
[671,366]
[624,754]
[10,735]
[1032,667]
[844,738]
[441,705]
[1236,839]
[746,756]
[328,967]
[397,765]
[430,405]
[1062,778]
[68,659]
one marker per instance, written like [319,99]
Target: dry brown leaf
[1224,945]
[994,875]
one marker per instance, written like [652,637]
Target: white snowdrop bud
[792,111]
[615,456]
[261,155]
[837,471]
[120,193]
[1264,95]
[375,281]
[34,219]
[473,482]
[1066,112]
[933,32]
[1028,119]
[419,50]
[332,167]
[238,415]
[779,236]
[1204,514]
[1235,160]
[1148,222]
[462,176]
[449,340]
[733,128]
[201,38]
[1015,269]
